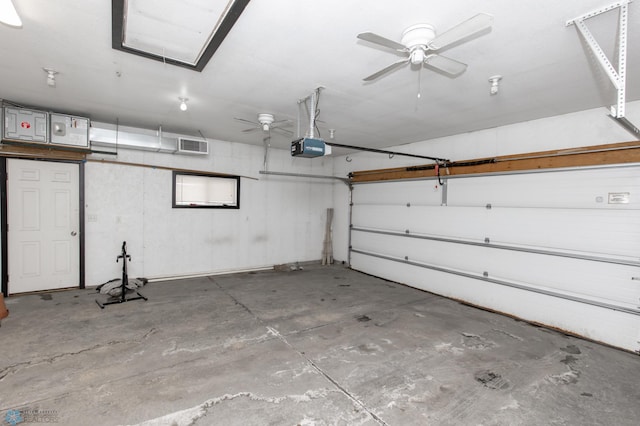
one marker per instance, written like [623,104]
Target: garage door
[560,248]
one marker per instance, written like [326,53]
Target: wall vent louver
[191,146]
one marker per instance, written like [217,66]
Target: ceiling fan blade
[477,23]
[246,121]
[281,123]
[387,69]
[375,38]
[255,129]
[282,131]
[446,65]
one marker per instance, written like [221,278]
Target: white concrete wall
[590,127]
[280,220]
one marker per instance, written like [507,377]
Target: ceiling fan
[266,123]
[420,43]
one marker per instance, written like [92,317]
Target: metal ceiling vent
[192,146]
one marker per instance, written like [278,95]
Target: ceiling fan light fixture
[183,103]
[9,14]
[417,56]
[265,118]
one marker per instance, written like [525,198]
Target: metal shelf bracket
[617,76]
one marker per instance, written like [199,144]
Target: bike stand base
[138,296]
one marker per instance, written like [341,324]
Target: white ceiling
[279,51]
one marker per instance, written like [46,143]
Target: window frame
[174,186]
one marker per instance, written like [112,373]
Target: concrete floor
[325,345]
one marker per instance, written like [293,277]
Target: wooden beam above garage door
[618,153]
[44,152]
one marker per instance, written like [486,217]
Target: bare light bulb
[183,103]
[495,80]
[51,76]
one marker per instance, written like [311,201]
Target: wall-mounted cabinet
[21,125]
[69,130]
[25,125]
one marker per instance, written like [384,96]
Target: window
[193,190]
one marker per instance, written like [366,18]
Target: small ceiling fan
[420,43]
[266,123]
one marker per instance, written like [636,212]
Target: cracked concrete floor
[325,345]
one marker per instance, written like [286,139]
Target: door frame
[4,224]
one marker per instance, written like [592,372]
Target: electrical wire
[437,167]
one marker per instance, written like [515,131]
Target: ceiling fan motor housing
[265,120]
[417,38]
[418,35]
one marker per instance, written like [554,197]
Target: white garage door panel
[425,251]
[454,256]
[613,233]
[415,192]
[431,220]
[550,245]
[612,327]
[598,281]
[570,189]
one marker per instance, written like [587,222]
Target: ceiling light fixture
[9,15]
[183,103]
[495,80]
[51,76]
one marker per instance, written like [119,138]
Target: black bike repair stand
[125,280]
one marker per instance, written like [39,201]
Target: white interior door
[43,220]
